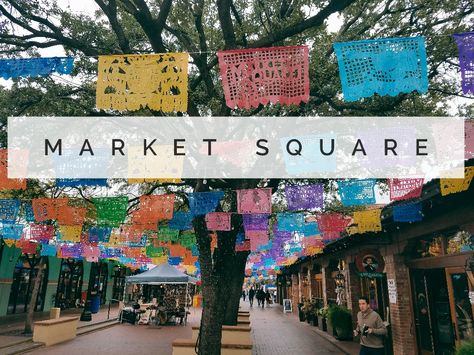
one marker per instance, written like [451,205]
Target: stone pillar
[7,266]
[403,330]
[353,290]
[54,268]
[310,282]
[294,290]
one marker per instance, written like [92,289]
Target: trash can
[95,306]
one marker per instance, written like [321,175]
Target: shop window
[118,282]
[24,274]
[70,284]
[446,243]
[460,242]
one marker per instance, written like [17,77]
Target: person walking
[261,297]
[268,298]
[251,296]
[370,328]
[243,295]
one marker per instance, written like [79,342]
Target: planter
[309,318]
[344,333]
[322,324]
[331,329]
[314,321]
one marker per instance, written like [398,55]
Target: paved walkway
[276,333]
[273,332]
[11,327]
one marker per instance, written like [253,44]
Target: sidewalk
[11,327]
[276,333]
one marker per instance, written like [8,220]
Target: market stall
[164,294]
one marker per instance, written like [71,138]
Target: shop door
[432,312]
[461,308]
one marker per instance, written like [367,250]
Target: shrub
[466,349]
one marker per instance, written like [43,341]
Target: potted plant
[322,315]
[315,317]
[308,310]
[301,312]
[340,319]
[466,349]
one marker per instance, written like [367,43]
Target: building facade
[417,276]
[65,282]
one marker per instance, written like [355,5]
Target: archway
[24,274]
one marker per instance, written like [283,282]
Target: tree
[202,27]
[34,296]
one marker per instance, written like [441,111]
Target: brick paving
[276,333]
[273,332]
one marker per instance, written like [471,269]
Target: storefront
[417,276]
[24,273]
[441,291]
[69,291]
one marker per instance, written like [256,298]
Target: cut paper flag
[387,66]
[5,182]
[309,229]
[254,201]
[218,221]
[187,240]
[410,212]
[111,211]
[465,42]
[73,251]
[167,235]
[70,233]
[132,82]
[156,252]
[11,231]
[245,246]
[28,212]
[71,216]
[181,221]
[251,77]
[290,222]
[35,67]
[9,242]
[332,222]
[26,246]
[357,192]
[257,239]
[255,222]
[154,208]
[48,250]
[99,234]
[368,221]
[405,189]
[151,180]
[451,186]
[42,233]
[201,203]
[9,209]
[91,253]
[80,182]
[304,197]
[46,209]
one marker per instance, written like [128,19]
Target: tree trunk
[234,294]
[34,297]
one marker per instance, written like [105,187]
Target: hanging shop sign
[369,263]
